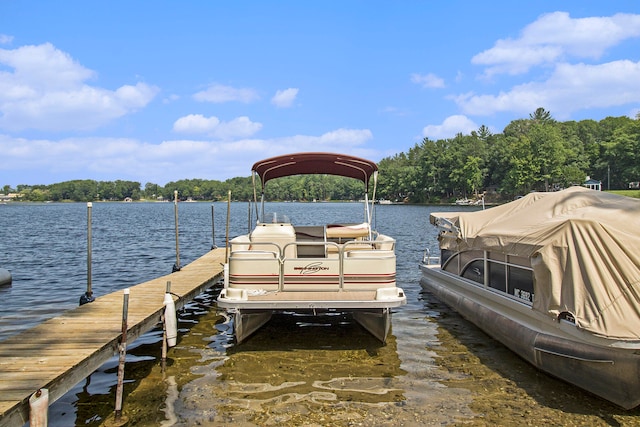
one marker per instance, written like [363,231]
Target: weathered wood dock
[62,351]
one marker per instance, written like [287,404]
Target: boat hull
[377,322]
[246,322]
[610,373]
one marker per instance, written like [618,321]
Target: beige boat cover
[584,247]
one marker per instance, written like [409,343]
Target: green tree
[473,173]
[549,154]
[152,191]
[541,116]
[520,172]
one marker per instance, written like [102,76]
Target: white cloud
[44,67]
[450,127]
[346,137]
[46,91]
[240,127]
[285,98]
[339,140]
[570,88]
[195,123]
[351,141]
[116,158]
[218,93]
[555,37]
[427,80]
[5,39]
[124,158]
[514,58]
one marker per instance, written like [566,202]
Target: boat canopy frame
[315,163]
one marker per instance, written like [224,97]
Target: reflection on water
[300,370]
[169,403]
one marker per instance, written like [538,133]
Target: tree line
[305,187]
[537,153]
[533,154]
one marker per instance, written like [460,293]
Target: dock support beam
[118,417]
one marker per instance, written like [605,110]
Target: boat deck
[315,296]
[60,352]
[311,300]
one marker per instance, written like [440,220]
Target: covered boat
[556,278]
[329,266]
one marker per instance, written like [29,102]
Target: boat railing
[304,248]
[429,259]
[257,248]
[446,225]
[273,267]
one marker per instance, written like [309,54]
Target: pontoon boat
[556,278]
[284,267]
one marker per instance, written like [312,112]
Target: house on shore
[593,184]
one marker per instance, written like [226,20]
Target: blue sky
[156,91]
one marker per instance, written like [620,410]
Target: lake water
[436,368]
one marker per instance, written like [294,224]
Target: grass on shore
[628,193]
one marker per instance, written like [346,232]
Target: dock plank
[60,352]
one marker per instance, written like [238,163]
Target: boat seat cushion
[349,231]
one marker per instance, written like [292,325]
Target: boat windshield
[276,218]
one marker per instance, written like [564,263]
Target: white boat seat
[339,231]
[275,235]
[333,250]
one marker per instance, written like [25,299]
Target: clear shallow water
[436,368]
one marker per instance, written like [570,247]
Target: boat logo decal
[312,268]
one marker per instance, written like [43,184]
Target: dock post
[88,296]
[123,354]
[176,266]
[226,251]
[213,229]
[249,219]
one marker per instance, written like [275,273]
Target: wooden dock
[62,351]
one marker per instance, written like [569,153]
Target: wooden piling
[122,357]
[176,266]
